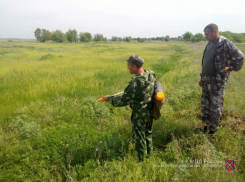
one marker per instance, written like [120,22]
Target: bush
[47,56]
[24,127]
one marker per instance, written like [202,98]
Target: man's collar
[221,39]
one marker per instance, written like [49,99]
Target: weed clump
[23,126]
[46,57]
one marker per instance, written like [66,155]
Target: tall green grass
[53,129]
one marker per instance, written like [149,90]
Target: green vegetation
[188,36]
[85,37]
[53,129]
[128,39]
[37,34]
[235,37]
[71,35]
[43,35]
[167,38]
[98,37]
[58,36]
[118,39]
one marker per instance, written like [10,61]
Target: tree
[141,39]
[243,35]
[58,36]
[85,37]
[199,37]
[116,39]
[227,34]
[128,39]
[71,35]
[173,38]
[167,38]
[187,36]
[45,35]
[193,39]
[238,37]
[98,37]
[179,38]
[37,34]
[158,38]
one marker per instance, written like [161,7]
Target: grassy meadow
[53,129]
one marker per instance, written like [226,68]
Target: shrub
[46,57]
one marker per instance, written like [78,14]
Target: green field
[53,129]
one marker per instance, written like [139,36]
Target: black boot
[202,129]
[211,132]
[205,128]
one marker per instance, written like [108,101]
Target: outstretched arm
[127,97]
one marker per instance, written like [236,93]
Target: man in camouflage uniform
[220,57]
[138,94]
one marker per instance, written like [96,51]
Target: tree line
[43,35]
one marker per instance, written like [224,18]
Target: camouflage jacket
[226,55]
[138,94]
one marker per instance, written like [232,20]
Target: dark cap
[136,60]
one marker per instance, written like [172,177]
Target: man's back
[144,86]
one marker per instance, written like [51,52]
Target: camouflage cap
[136,60]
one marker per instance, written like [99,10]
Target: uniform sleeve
[237,57]
[127,97]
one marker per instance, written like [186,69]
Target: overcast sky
[136,18]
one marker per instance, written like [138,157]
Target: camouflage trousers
[142,133]
[212,102]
